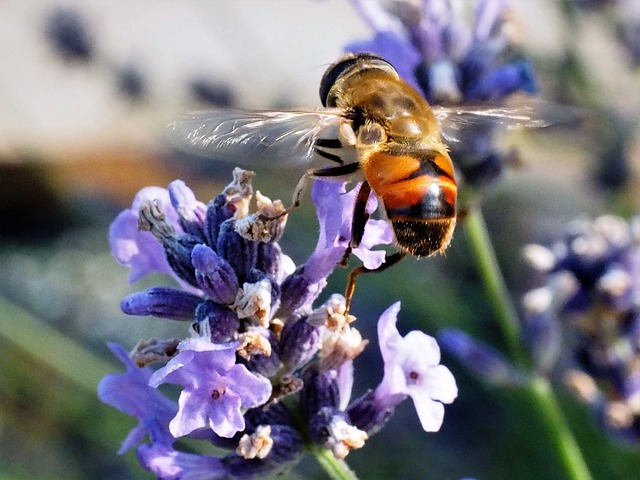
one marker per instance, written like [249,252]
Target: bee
[374,124]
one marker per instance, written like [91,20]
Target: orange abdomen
[419,194]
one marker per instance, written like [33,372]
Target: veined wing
[246,137]
[454,120]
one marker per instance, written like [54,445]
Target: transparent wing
[455,120]
[246,137]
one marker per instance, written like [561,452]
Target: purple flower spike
[130,393]
[411,367]
[169,464]
[214,275]
[162,302]
[215,389]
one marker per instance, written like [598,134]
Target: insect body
[373,123]
[399,150]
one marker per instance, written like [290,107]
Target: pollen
[258,445]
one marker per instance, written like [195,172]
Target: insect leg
[359,220]
[327,143]
[330,172]
[390,261]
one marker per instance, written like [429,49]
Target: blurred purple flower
[451,63]
[486,362]
[590,281]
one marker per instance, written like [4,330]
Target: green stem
[507,317]
[563,441]
[494,284]
[336,469]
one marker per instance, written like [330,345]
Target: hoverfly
[372,123]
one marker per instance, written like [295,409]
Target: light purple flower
[169,464]
[140,250]
[130,393]
[411,367]
[189,209]
[335,213]
[215,389]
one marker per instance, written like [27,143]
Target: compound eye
[344,65]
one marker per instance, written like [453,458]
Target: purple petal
[135,249]
[418,348]
[440,384]
[192,414]
[326,196]
[225,415]
[345,383]
[184,202]
[130,393]
[197,359]
[388,335]
[253,389]
[430,413]
[169,464]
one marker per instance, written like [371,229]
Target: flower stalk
[540,390]
[336,469]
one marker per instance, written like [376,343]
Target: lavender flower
[412,368]
[589,282]
[263,373]
[215,389]
[451,63]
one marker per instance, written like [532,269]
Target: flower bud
[162,302]
[217,213]
[215,322]
[238,251]
[298,292]
[483,360]
[299,342]
[178,252]
[286,448]
[368,414]
[320,390]
[214,275]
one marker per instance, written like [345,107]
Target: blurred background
[86,92]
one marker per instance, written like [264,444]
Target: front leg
[358,222]
[325,172]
